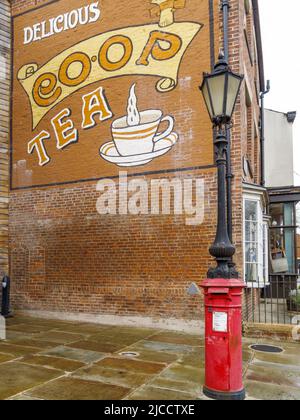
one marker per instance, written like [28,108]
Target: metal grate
[263,348]
[275,302]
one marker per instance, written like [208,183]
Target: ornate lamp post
[220,91]
[223,290]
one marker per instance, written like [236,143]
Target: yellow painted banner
[140,50]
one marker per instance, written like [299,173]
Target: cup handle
[168,130]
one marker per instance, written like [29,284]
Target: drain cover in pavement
[266,349]
[129,354]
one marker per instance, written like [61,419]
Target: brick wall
[65,257]
[5,50]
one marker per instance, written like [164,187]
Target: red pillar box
[223,340]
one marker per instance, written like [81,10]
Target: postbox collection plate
[220,322]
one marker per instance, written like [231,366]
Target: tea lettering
[38,144]
[94,103]
[64,130]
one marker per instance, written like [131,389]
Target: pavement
[56,360]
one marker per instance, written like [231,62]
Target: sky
[281,38]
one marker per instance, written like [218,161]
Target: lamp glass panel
[217,87]
[233,90]
[207,100]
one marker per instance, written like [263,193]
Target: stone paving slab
[281,359]
[17,377]
[183,373]
[97,346]
[53,362]
[274,375]
[175,338]
[137,366]
[59,337]
[117,377]
[125,339]
[33,342]
[17,350]
[29,328]
[6,358]
[192,388]
[57,360]
[271,392]
[84,328]
[160,394]
[24,397]
[152,356]
[165,347]
[73,389]
[84,356]
[138,331]
[195,358]
[17,335]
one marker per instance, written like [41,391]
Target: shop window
[283,234]
[255,243]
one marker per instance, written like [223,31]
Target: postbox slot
[215,291]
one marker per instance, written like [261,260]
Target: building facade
[113,191]
[5,63]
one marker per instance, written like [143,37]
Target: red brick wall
[5,57]
[65,257]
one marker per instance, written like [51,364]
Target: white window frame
[266,268]
[263,242]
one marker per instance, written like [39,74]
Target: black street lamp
[223,290]
[220,91]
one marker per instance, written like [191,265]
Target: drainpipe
[225,6]
[262,132]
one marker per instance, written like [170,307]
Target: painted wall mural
[135,139]
[96,88]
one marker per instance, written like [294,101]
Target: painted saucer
[109,152]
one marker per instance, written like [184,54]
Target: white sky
[281,43]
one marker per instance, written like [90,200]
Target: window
[298,236]
[283,234]
[255,243]
[298,218]
[266,252]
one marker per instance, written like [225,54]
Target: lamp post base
[225,396]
